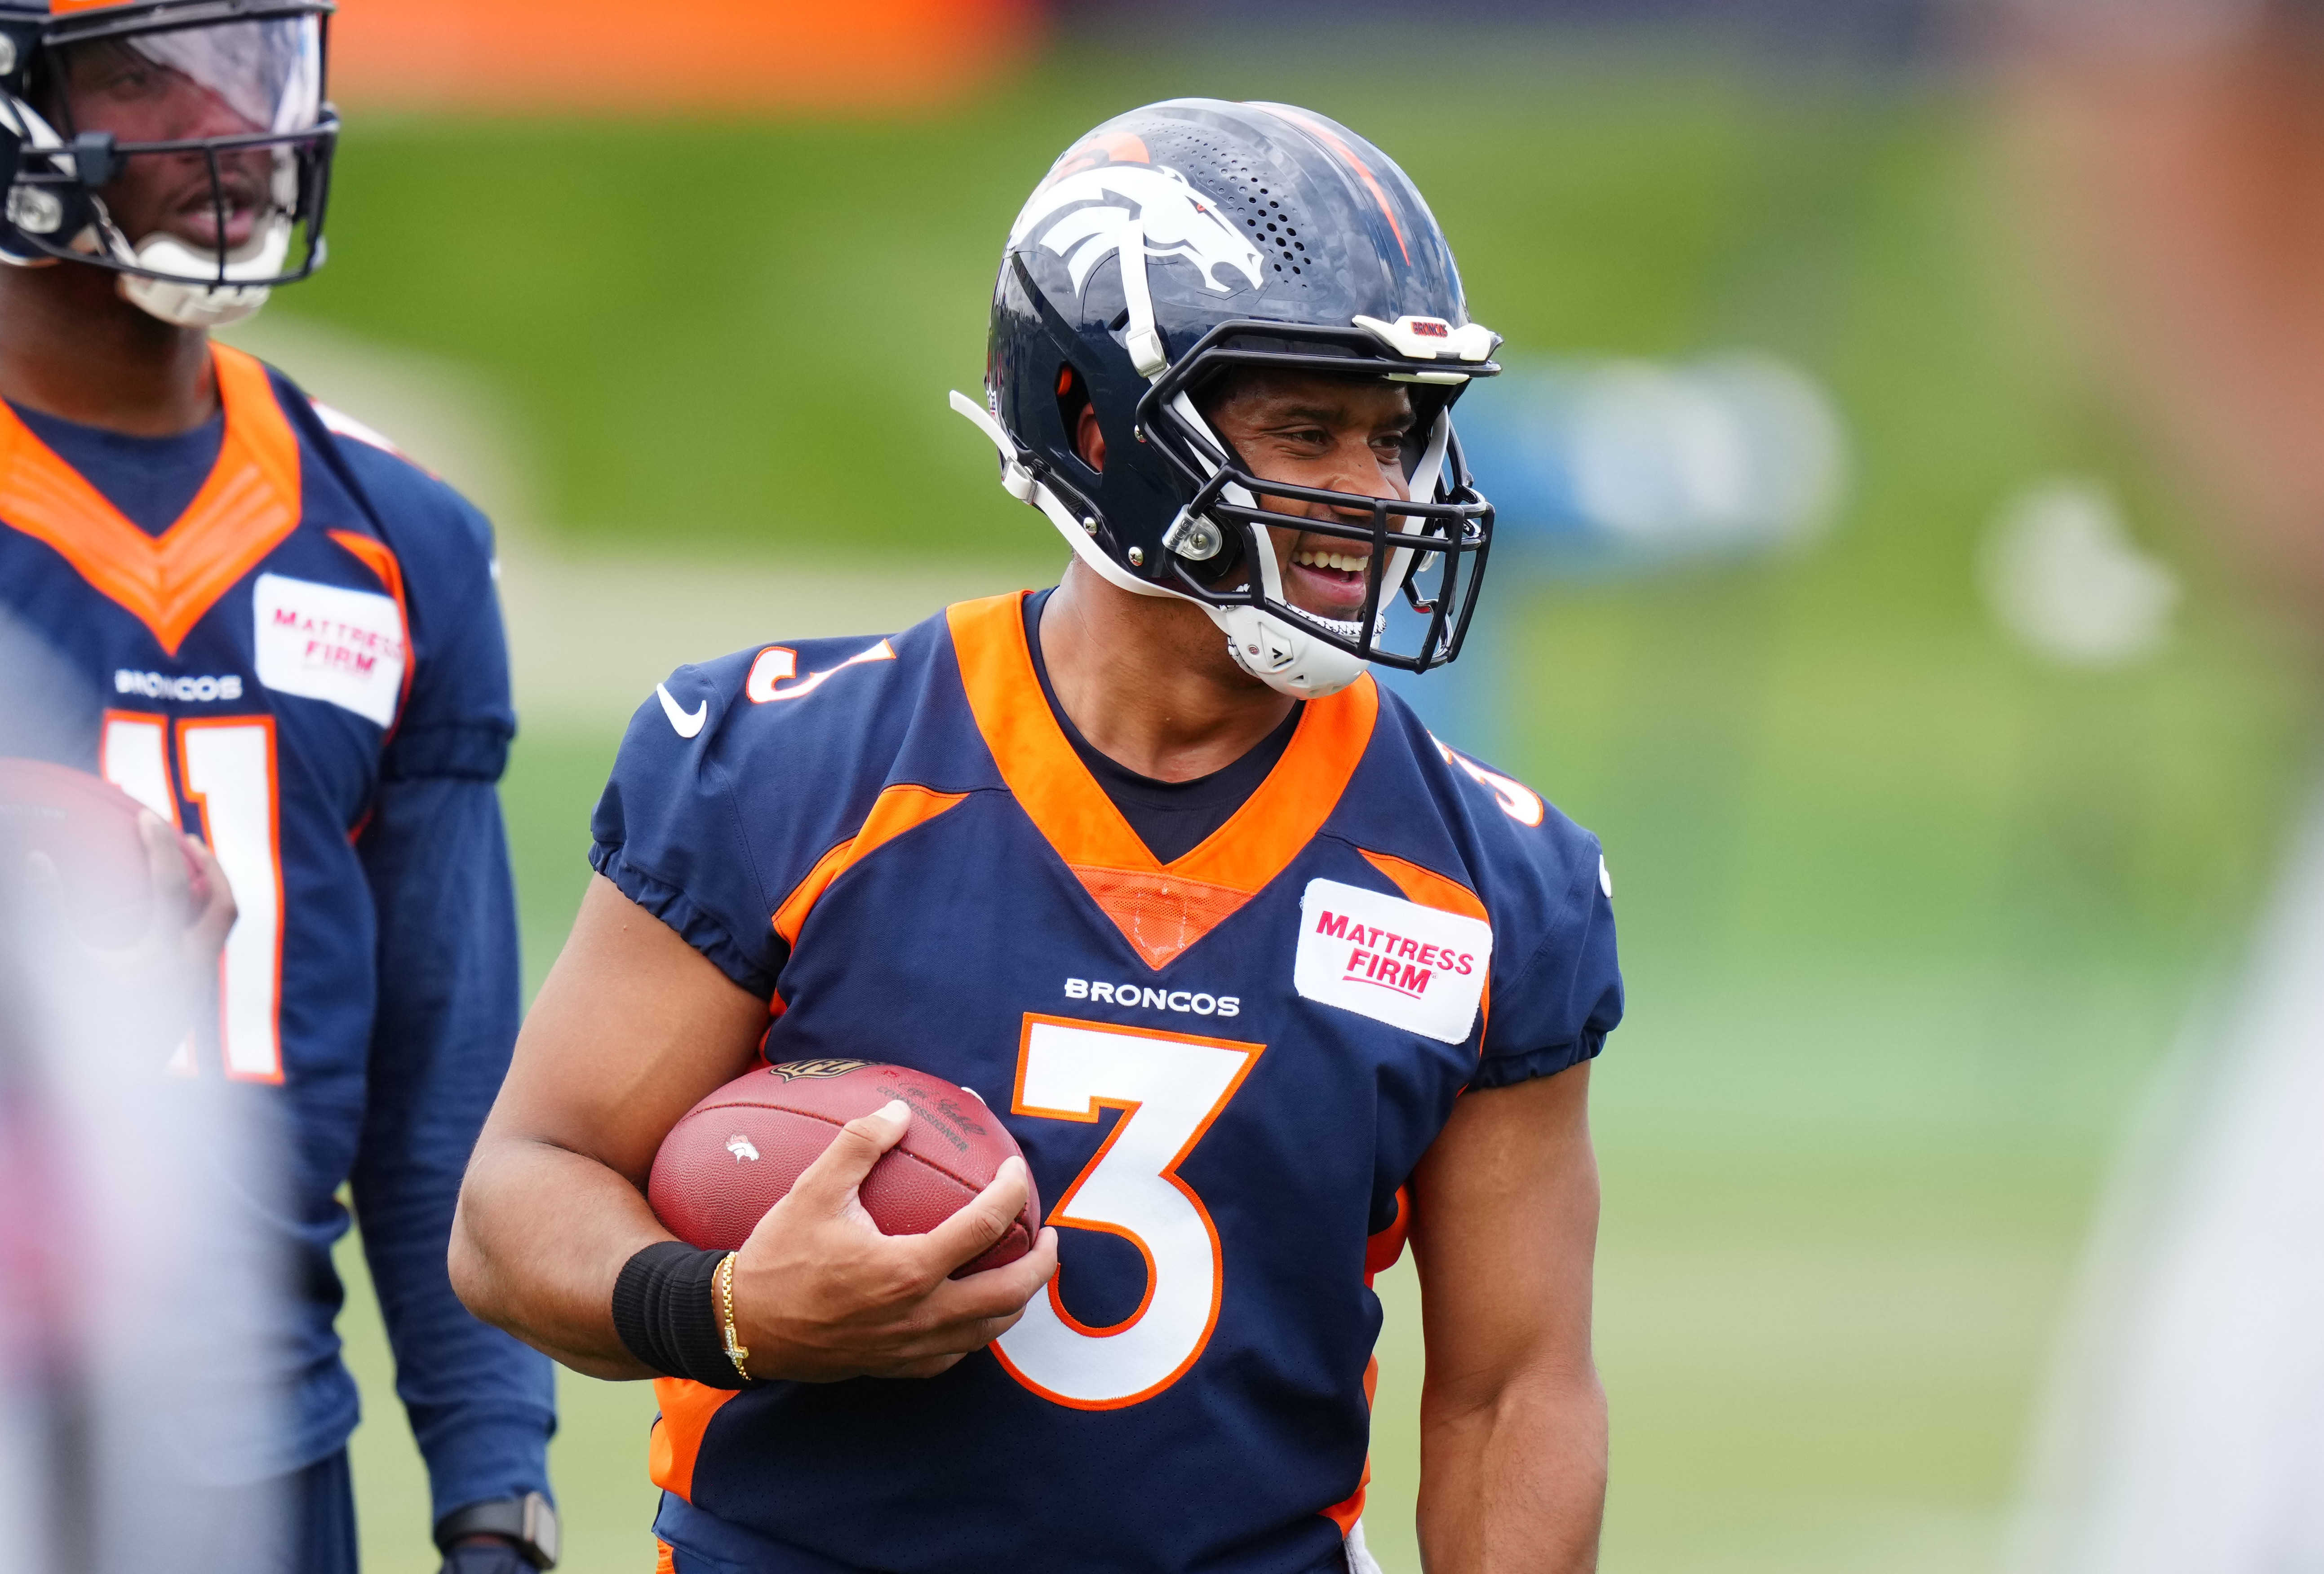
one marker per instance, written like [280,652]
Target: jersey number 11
[228,766]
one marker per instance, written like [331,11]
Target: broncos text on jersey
[1223,1070]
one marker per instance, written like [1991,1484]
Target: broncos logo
[1094,214]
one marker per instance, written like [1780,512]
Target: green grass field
[1906,917]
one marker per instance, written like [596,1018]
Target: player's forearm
[541,1235]
[1513,1482]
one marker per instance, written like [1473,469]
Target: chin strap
[187,305]
[1269,647]
[1018,480]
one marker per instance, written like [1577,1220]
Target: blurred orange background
[681,56]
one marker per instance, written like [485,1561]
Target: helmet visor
[211,142]
[192,84]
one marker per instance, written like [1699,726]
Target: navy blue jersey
[294,650]
[1223,1070]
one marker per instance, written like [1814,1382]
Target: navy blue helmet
[184,144]
[1173,244]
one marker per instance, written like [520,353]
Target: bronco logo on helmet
[1142,212]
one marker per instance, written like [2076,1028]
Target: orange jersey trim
[380,559]
[897,809]
[686,1409]
[1382,1249]
[1160,908]
[187,728]
[249,502]
[1346,1513]
[1432,889]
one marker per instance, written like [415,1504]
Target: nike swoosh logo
[684,723]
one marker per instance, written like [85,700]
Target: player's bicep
[1505,1227]
[632,1026]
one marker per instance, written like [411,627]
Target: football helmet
[186,145]
[1178,243]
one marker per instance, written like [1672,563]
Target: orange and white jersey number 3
[1169,1088]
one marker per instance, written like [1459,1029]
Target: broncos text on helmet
[1173,244]
[186,145]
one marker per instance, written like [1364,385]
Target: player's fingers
[831,1181]
[165,866]
[979,1222]
[211,894]
[962,1327]
[996,1292]
[190,887]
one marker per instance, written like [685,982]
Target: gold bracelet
[735,1350]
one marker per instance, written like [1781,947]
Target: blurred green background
[1907,914]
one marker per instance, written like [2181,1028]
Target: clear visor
[231,78]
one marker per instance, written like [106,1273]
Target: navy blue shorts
[322,1512]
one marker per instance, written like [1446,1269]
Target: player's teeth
[1346,562]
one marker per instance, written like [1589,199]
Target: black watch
[530,1522]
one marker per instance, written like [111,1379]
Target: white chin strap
[186,304]
[1273,650]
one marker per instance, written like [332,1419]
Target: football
[738,1153]
[88,828]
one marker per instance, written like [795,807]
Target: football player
[1148,862]
[299,653]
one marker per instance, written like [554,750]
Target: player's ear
[1089,442]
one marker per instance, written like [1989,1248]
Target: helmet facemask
[1428,547]
[192,160]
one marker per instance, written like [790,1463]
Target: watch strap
[530,1522]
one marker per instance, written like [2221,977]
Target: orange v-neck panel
[1160,908]
[246,508]
[1044,774]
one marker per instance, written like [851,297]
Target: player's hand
[190,896]
[193,906]
[820,1294]
[168,976]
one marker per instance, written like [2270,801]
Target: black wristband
[664,1310]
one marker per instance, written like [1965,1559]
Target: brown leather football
[739,1152]
[88,829]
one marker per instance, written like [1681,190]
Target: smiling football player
[1149,863]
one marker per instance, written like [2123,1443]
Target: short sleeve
[458,719]
[669,833]
[1565,996]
